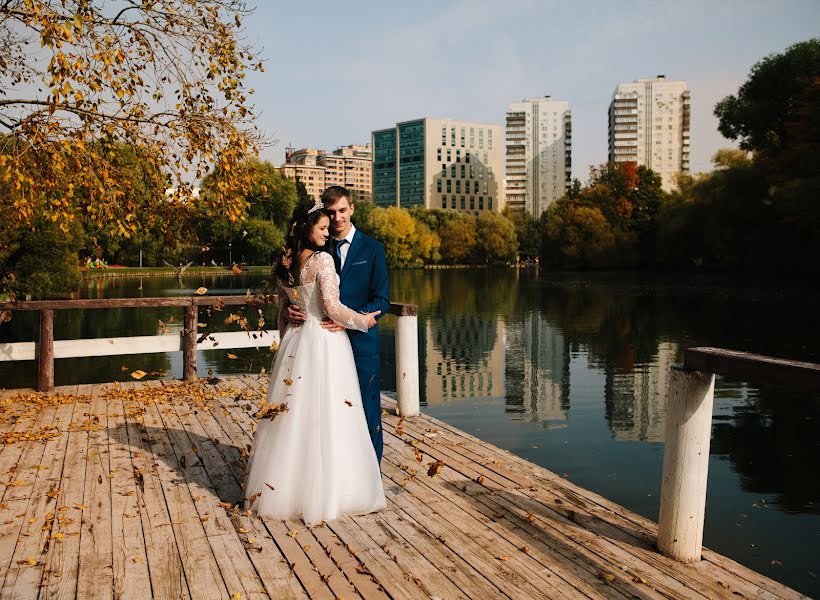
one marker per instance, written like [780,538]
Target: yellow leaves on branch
[168,87]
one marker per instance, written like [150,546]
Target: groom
[363,286]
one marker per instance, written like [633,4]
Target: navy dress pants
[369,372]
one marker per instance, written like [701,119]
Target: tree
[46,262]
[776,112]
[458,240]
[576,236]
[526,231]
[272,196]
[79,78]
[495,238]
[396,229]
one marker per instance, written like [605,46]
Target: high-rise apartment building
[348,166]
[649,124]
[439,163]
[539,154]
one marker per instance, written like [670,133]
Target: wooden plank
[345,558]
[198,562]
[61,563]
[96,572]
[164,564]
[746,366]
[486,552]
[19,465]
[129,554]
[379,560]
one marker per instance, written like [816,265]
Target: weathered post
[189,333]
[685,464]
[45,351]
[407,358]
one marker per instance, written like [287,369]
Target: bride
[312,456]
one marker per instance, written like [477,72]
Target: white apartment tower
[649,124]
[539,153]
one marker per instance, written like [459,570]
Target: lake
[569,371]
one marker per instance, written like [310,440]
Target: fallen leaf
[288,381]
[138,374]
[201,290]
[503,557]
[435,468]
[604,576]
[232,356]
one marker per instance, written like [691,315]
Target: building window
[453,136]
[443,136]
[453,202]
[438,185]
[449,156]
[438,154]
[462,203]
[444,170]
[490,139]
[449,186]
[463,171]
[481,203]
[481,171]
[443,201]
[472,169]
[452,170]
[458,185]
[472,202]
[462,137]
[458,155]
[489,203]
[475,187]
[467,158]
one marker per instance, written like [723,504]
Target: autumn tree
[458,240]
[576,236]
[495,238]
[80,78]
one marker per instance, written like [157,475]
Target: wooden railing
[689,431]
[46,349]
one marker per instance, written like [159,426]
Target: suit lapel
[355,246]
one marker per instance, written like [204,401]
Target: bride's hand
[371,318]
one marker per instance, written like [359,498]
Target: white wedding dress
[315,461]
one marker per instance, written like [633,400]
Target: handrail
[688,435]
[407,360]
[752,367]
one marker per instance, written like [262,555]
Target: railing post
[685,464]
[189,334]
[407,360]
[45,352]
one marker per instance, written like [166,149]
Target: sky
[337,70]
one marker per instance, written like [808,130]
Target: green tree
[495,238]
[46,262]
[272,196]
[527,232]
[776,112]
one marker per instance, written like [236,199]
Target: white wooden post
[407,364]
[685,464]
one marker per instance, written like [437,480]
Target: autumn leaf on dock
[435,468]
[201,291]
[271,411]
[138,374]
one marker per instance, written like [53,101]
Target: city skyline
[468,61]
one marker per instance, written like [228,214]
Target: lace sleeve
[329,287]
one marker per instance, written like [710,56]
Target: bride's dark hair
[304,217]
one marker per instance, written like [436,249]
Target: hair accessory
[315,207]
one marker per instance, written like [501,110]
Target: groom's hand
[295,316]
[327,323]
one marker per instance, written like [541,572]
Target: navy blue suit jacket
[364,287]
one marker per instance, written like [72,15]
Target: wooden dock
[132,491]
